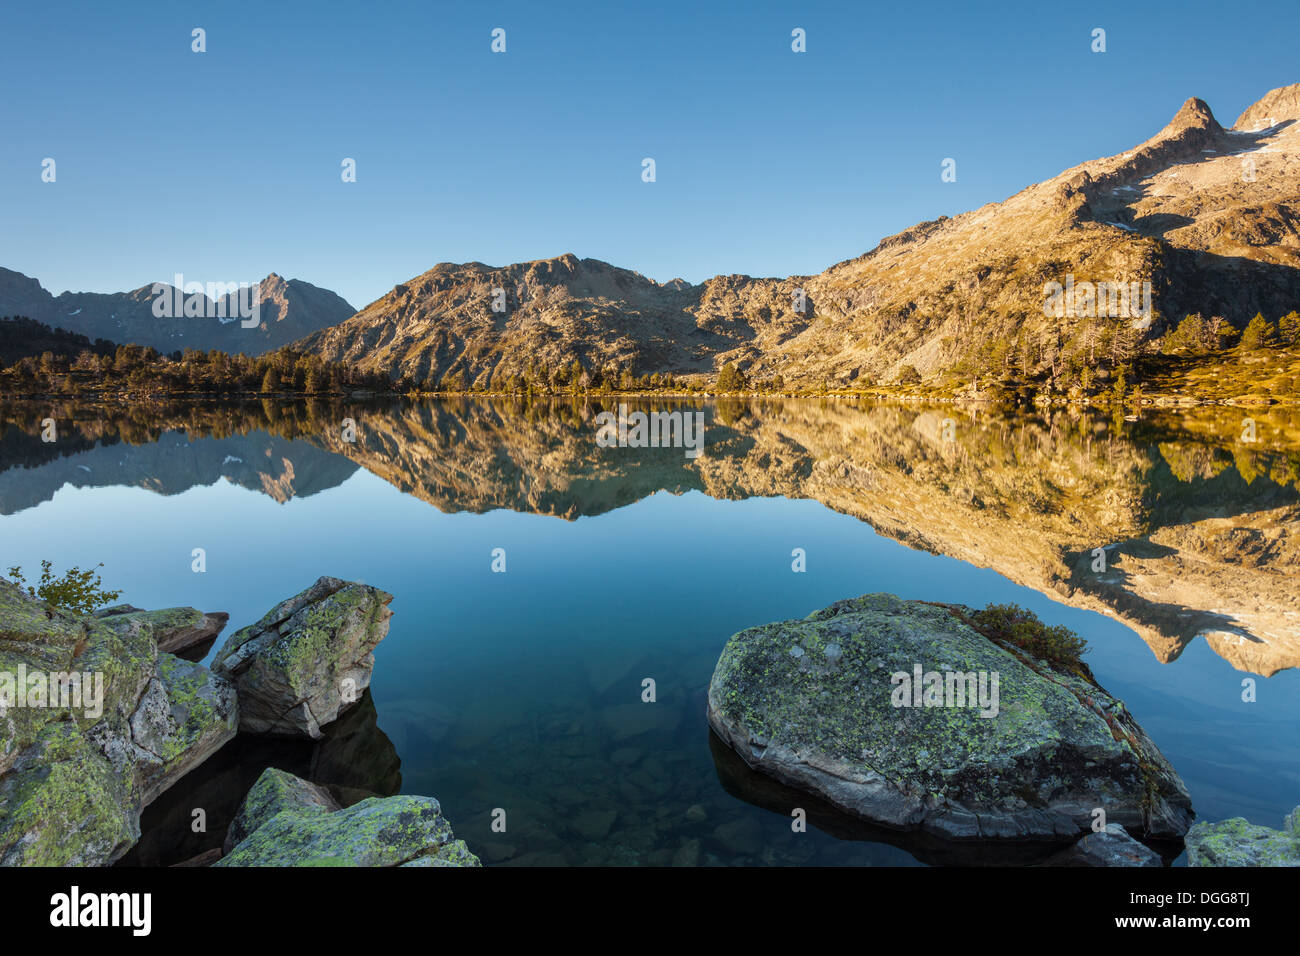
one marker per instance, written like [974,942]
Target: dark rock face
[818,705]
[308,659]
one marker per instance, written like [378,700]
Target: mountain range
[288,310]
[1208,216]
[1206,219]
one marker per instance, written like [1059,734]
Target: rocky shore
[848,715]
[100,718]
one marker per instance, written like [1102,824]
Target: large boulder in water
[95,722]
[287,821]
[308,659]
[825,705]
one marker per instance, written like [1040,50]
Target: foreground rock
[1236,842]
[812,704]
[1109,847]
[354,760]
[287,821]
[308,659]
[95,722]
[176,629]
[275,790]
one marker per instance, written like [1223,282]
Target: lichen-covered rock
[62,804]
[286,821]
[185,715]
[1109,847]
[175,629]
[1236,842]
[104,724]
[307,659]
[812,703]
[275,790]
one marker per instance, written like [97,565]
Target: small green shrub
[77,591]
[1011,623]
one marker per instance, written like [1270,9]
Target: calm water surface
[522,690]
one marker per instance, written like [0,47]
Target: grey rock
[1110,847]
[1057,747]
[1236,842]
[175,629]
[595,824]
[308,659]
[274,791]
[75,775]
[292,825]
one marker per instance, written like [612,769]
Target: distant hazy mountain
[31,472]
[1208,216]
[289,309]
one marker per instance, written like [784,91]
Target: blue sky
[225,165]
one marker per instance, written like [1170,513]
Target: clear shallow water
[522,690]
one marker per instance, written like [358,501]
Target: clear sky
[225,165]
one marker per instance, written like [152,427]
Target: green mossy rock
[75,775]
[811,703]
[288,824]
[61,804]
[175,629]
[1236,842]
[275,790]
[308,659]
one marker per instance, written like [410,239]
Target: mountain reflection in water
[522,690]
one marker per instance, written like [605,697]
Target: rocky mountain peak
[1276,106]
[1194,114]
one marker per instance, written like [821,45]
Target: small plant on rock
[1057,645]
[77,591]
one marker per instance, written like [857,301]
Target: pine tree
[730,378]
[1258,334]
[1288,328]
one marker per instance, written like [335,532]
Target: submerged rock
[1109,847]
[815,704]
[287,821]
[95,722]
[308,659]
[1236,842]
